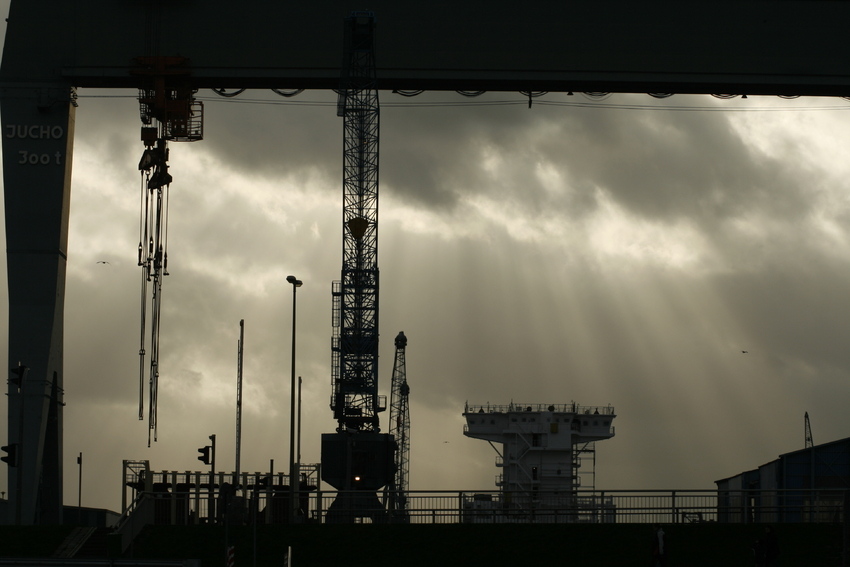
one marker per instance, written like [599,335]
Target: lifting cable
[153,259]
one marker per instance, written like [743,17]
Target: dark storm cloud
[276,136]
[433,156]
[659,165]
[696,165]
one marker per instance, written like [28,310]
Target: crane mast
[396,493]
[357,459]
[355,401]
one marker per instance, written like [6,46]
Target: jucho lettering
[34,132]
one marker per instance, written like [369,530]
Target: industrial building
[808,485]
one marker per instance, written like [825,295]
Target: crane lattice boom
[397,502]
[357,459]
[355,401]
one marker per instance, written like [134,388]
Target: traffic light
[11,456]
[18,375]
[205,454]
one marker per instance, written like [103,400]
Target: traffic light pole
[80,490]
[212,482]
[19,453]
[15,450]
[208,458]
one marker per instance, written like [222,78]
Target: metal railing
[560,408]
[453,507]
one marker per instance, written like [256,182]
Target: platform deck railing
[468,506]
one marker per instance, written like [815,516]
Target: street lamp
[293,474]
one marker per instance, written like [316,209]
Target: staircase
[96,546]
[85,542]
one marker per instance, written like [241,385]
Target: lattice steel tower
[396,492]
[355,342]
[357,457]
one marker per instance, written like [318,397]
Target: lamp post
[293,474]
[298,447]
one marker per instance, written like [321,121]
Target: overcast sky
[623,251]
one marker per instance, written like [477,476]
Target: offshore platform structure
[542,453]
[395,495]
[357,459]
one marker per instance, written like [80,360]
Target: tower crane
[357,458]
[395,495]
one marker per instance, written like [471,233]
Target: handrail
[137,515]
[494,506]
[559,408]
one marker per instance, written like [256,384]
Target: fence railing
[560,408]
[451,507]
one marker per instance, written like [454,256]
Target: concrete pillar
[37,137]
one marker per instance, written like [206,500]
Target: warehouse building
[808,485]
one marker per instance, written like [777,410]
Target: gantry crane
[395,495]
[357,459]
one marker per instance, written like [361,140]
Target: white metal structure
[541,448]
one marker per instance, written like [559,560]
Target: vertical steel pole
[298,454]
[292,480]
[211,511]
[270,492]
[80,490]
[239,400]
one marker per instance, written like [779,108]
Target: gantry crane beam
[793,47]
